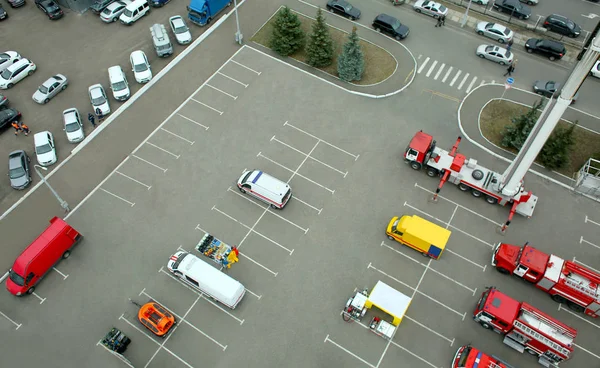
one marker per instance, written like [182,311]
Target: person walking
[509,45]
[25,128]
[440,22]
[92,119]
[15,125]
[509,70]
[443,20]
[99,115]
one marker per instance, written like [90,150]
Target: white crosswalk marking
[482,82]
[455,78]
[439,71]
[463,81]
[471,84]
[422,66]
[493,82]
[431,68]
[447,74]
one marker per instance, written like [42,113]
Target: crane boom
[512,179]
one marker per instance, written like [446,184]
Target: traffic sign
[506,86]
[510,80]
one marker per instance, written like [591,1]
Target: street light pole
[63,203]
[464,20]
[238,34]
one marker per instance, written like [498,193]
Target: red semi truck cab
[469,357]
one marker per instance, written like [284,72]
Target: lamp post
[238,34]
[464,20]
[63,203]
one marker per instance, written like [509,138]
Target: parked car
[98,99]
[495,53]
[513,7]
[3,100]
[431,8]
[159,3]
[180,30]
[391,26]
[118,83]
[18,170]
[552,49]
[16,3]
[3,13]
[495,31]
[595,72]
[73,126]
[530,2]
[547,88]
[7,116]
[50,88]
[8,58]
[343,8]
[481,2]
[562,25]
[16,72]
[45,150]
[112,12]
[99,5]
[140,66]
[50,8]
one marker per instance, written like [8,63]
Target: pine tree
[555,153]
[319,50]
[514,135]
[287,36]
[351,63]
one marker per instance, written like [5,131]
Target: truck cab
[496,311]
[201,12]
[525,262]
[469,357]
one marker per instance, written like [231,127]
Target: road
[583,12]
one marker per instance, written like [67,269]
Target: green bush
[287,36]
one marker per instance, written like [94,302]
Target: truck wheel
[559,299]
[66,254]
[242,190]
[424,254]
[31,290]
[476,193]
[390,237]
[486,326]
[463,187]
[532,352]
[415,165]
[491,200]
[431,172]
[503,271]
[575,307]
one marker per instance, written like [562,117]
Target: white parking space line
[455,78]
[210,107]
[292,171]
[116,196]
[451,341]
[60,273]
[117,355]
[308,205]
[11,321]
[244,66]
[431,68]
[150,163]
[235,80]
[259,265]
[560,308]
[308,155]
[466,259]
[471,85]
[422,66]
[586,350]
[415,290]
[583,264]
[253,293]
[201,294]
[587,219]
[582,240]
[39,297]
[463,81]
[439,71]
[323,141]
[223,92]
[185,320]
[162,149]
[192,121]
[447,74]
[161,346]
[134,180]
[327,339]
[178,136]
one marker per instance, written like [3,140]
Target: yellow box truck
[413,231]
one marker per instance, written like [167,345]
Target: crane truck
[525,328]
[567,282]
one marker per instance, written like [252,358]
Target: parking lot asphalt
[342,156]
[81,47]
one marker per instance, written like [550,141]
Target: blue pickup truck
[201,12]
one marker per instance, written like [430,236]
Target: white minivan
[134,11]
[266,188]
[118,83]
[206,278]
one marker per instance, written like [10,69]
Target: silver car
[180,30]
[73,126]
[495,53]
[18,170]
[431,8]
[112,12]
[50,88]
[494,31]
[98,99]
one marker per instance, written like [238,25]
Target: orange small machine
[156,318]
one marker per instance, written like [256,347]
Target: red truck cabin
[497,310]
[526,262]
[469,357]
[418,147]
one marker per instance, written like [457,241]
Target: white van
[265,187]
[118,83]
[206,278]
[134,11]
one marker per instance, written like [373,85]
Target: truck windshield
[483,300]
[16,278]
[464,356]
[178,261]
[395,225]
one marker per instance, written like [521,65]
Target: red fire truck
[469,357]
[565,281]
[525,328]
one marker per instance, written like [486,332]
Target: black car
[513,7]
[562,25]
[387,24]
[7,116]
[549,88]
[342,7]
[18,169]
[552,49]
[52,10]
[16,3]
[100,5]
[3,13]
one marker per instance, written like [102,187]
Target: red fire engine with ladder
[565,281]
[525,328]
[469,357]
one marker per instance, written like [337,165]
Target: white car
[50,88]
[494,31]
[180,30]
[16,72]
[432,8]
[495,53]
[8,58]
[596,70]
[118,83]
[140,66]
[481,2]
[112,12]
[73,126]
[45,151]
[98,99]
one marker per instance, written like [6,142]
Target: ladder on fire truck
[548,327]
[582,279]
